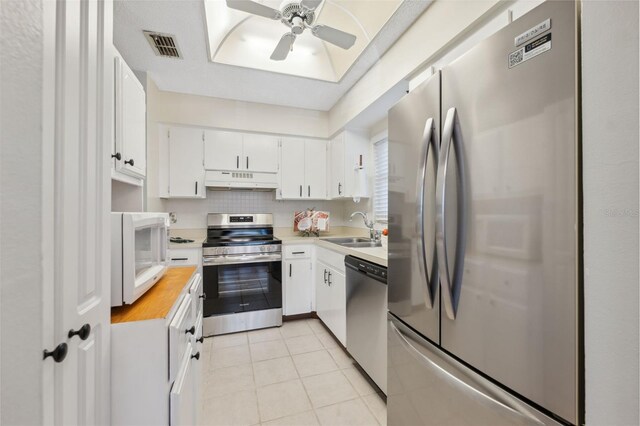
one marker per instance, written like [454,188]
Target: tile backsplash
[193,213]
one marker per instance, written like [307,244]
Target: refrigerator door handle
[458,376]
[451,283]
[431,283]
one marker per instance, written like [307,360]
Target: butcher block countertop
[157,301]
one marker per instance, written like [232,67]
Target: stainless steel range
[242,272]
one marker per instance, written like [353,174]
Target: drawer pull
[191,330]
[83,332]
[179,258]
[58,354]
[200,340]
[297,252]
[196,356]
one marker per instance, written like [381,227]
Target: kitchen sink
[354,242]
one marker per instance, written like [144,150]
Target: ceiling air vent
[163,44]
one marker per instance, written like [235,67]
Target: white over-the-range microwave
[138,254]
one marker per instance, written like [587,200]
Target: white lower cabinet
[297,280]
[331,299]
[156,364]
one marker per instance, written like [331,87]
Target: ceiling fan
[297,15]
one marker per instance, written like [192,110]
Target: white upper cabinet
[222,150]
[181,163]
[350,154]
[303,171]
[130,153]
[260,153]
[234,151]
[292,170]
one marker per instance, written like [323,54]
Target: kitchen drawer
[297,251]
[180,334]
[195,291]
[184,257]
[330,258]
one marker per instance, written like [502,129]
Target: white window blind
[381,181]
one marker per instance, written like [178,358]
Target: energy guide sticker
[530,50]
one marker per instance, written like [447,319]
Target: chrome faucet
[368,223]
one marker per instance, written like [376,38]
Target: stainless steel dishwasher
[367,317]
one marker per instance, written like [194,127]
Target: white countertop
[376,255]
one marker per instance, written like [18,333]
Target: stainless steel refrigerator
[484,264]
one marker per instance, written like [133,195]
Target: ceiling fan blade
[334,36]
[283,48]
[310,4]
[254,8]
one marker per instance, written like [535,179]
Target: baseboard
[300,316]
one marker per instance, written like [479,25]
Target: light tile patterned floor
[292,375]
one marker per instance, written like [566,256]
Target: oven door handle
[240,258]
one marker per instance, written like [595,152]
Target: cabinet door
[298,286]
[186,173]
[322,292]
[222,150]
[131,122]
[338,305]
[315,170]
[183,398]
[260,153]
[292,168]
[336,180]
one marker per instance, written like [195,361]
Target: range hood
[223,180]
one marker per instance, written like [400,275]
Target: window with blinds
[381,181]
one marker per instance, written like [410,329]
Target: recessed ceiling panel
[246,40]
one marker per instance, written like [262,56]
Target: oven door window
[242,287]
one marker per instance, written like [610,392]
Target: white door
[222,150]
[260,153]
[338,305]
[182,398]
[323,302]
[315,170]
[292,168]
[297,286]
[336,185]
[131,121]
[186,172]
[76,194]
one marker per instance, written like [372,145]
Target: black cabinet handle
[290,269]
[129,162]
[117,156]
[196,188]
[247,163]
[83,333]
[297,252]
[329,281]
[191,330]
[300,190]
[58,354]
[179,258]
[237,161]
[309,191]
[339,188]
[200,340]
[325,276]
[196,356]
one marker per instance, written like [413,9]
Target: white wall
[610,172]
[21,71]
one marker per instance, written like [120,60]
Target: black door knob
[200,340]
[83,332]
[191,330]
[58,354]
[117,156]
[196,356]
[129,162]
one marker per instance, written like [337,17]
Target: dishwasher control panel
[375,271]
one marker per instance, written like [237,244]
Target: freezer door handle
[451,283]
[469,385]
[430,282]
